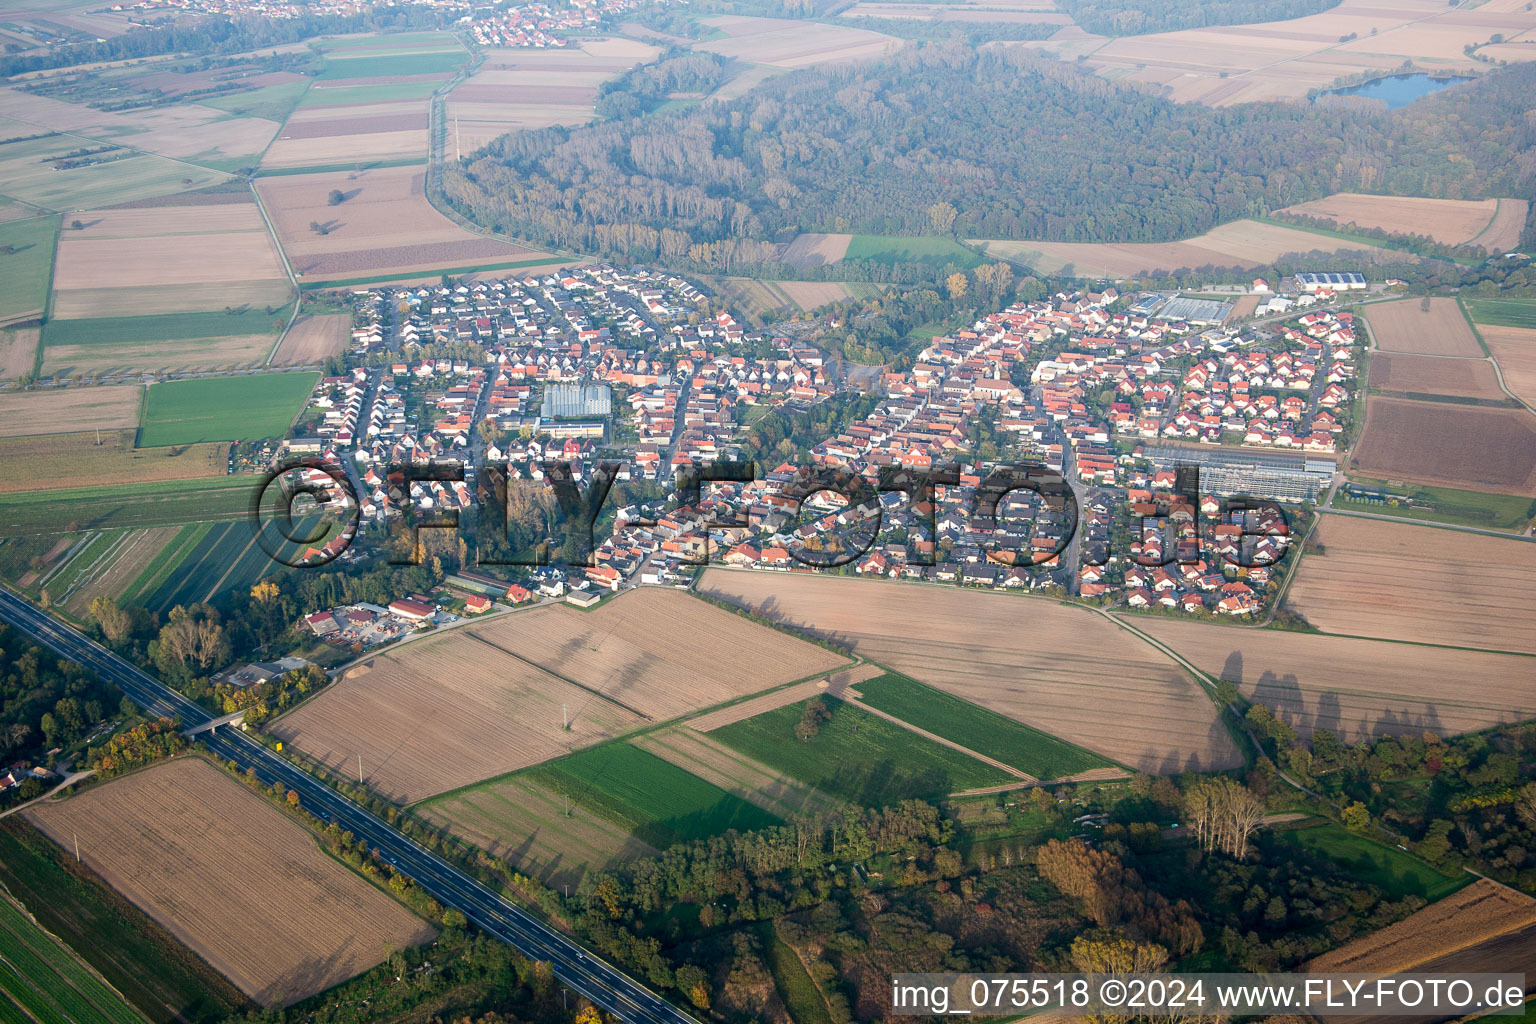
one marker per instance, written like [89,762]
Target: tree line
[1136,17]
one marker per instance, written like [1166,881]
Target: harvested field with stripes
[1514,348]
[46,462]
[444,712]
[539,833]
[1418,583]
[114,570]
[242,884]
[313,339]
[1405,326]
[1448,445]
[1064,670]
[69,410]
[1357,688]
[659,653]
[791,44]
[1449,221]
[1483,910]
[1432,375]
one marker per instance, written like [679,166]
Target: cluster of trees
[262,701]
[44,701]
[1113,894]
[1223,814]
[853,149]
[644,88]
[1136,17]
[1478,807]
[133,748]
[785,433]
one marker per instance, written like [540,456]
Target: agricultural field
[835,684]
[218,558]
[1395,872]
[894,249]
[237,337]
[716,763]
[986,732]
[1417,583]
[18,351]
[659,803]
[658,653]
[1451,445]
[1509,513]
[384,225]
[540,834]
[858,756]
[1503,312]
[313,339]
[27,169]
[814,250]
[787,297]
[1435,375]
[521,88]
[445,712]
[1357,688]
[1242,243]
[1448,221]
[167,259]
[1482,911]
[140,504]
[794,44]
[223,408]
[1063,670]
[69,409]
[1035,12]
[1405,326]
[26,257]
[1514,349]
[110,572]
[102,459]
[158,975]
[234,878]
[42,979]
[1284,60]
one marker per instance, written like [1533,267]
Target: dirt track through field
[1064,670]
[737,774]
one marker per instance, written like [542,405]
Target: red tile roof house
[476,604]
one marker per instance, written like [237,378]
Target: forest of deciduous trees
[1020,146]
[1136,17]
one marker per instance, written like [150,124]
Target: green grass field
[858,756]
[348,95]
[26,264]
[41,977]
[392,42]
[166,562]
[273,102]
[936,252]
[1508,512]
[1394,872]
[138,330]
[480,268]
[657,801]
[986,732]
[225,557]
[155,503]
[223,408]
[795,986]
[105,184]
[441,62]
[157,975]
[1502,312]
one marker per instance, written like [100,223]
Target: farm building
[415,611]
[1336,282]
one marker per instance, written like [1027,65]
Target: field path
[293,281]
[935,737]
[834,685]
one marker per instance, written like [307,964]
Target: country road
[573,966]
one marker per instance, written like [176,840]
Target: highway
[581,971]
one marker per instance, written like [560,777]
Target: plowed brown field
[1065,670]
[235,879]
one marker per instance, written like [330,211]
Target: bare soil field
[169,259]
[1399,581]
[837,684]
[1357,688]
[47,462]
[18,353]
[735,773]
[386,225]
[517,89]
[445,712]
[1404,326]
[322,150]
[312,339]
[306,124]
[69,409]
[1450,221]
[794,44]
[1065,670]
[234,878]
[660,653]
[1283,60]
[529,827]
[222,351]
[1483,910]
[816,250]
[1514,348]
[1503,231]
[1452,445]
[809,295]
[1434,375]
[120,567]
[1242,243]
